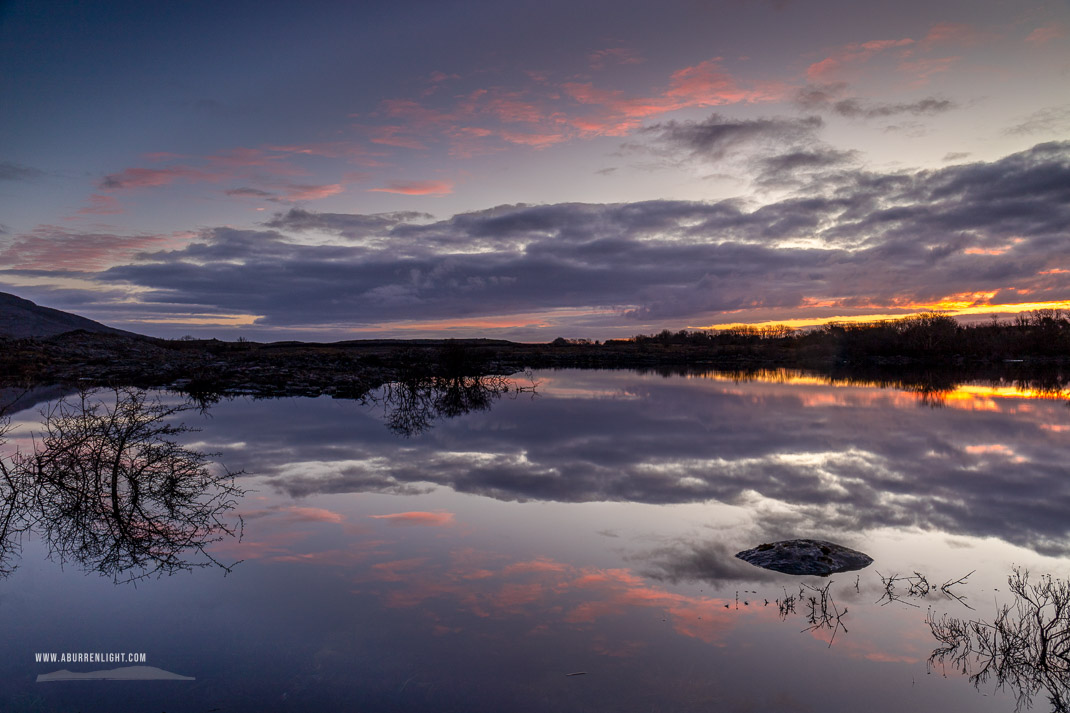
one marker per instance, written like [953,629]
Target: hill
[21,319]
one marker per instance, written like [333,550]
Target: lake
[559,541]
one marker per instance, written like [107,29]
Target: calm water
[476,562]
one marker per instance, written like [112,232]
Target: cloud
[711,562]
[304,192]
[785,168]
[152,177]
[804,458]
[249,193]
[101,205]
[1049,120]
[420,519]
[828,98]
[1044,35]
[354,227]
[417,188]
[266,172]
[850,57]
[11,171]
[52,248]
[552,112]
[613,55]
[716,137]
[852,237]
[949,33]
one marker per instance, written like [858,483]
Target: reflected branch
[413,405]
[13,507]
[109,486]
[823,613]
[1026,648]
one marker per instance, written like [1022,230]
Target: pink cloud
[475,122]
[702,85]
[417,188]
[150,177]
[437,76]
[296,192]
[613,55]
[388,136]
[538,141]
[423,519]
[314,514]
[295,513]
[162,156]
[850,57]
[952,33]
[509,108]
[101,205]
[921,69]
[1044,35]
[397,570]
[53,248]
[539,565]
[415,113]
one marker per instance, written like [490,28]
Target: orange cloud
[417,188]
[990,448]
[425,519]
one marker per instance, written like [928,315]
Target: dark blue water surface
[571,550]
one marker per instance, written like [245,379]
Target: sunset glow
[758,163]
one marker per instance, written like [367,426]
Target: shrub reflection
[108,486]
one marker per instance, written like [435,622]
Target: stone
[806,557]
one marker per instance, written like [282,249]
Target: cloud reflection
[829,458]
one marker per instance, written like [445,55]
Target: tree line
[927,336]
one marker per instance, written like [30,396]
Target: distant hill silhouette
[21,318]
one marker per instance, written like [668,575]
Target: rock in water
[814,557]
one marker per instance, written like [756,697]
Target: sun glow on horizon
[950,307]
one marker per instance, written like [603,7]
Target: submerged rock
[813,557]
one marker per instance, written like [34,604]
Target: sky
[529,170]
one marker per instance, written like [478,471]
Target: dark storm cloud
[829,98]
[858,235]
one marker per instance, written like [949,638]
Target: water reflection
[811,458]
[108,486]
[412,406]
[1025,648]
[473,560]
